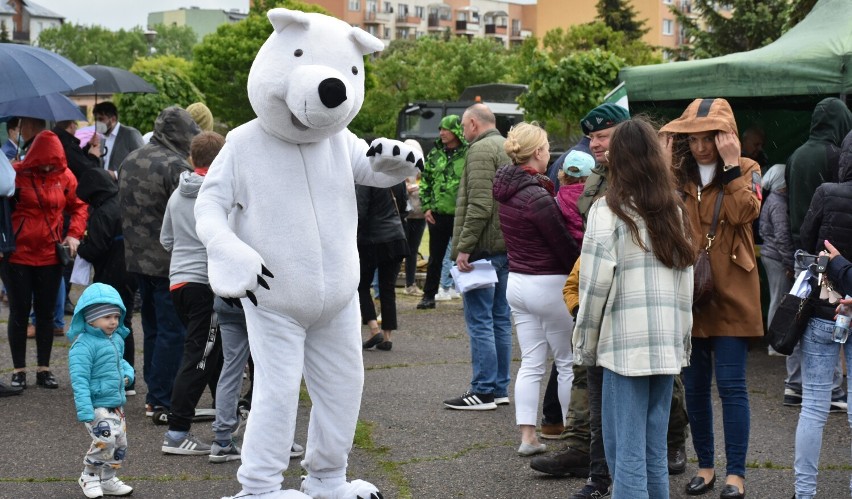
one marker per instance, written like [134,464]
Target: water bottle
[841,324]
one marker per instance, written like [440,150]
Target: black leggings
[388,271]
[37,286]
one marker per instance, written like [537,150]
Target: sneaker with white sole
[470,401]
[443,295]
[115,487]
[219,454]
[501,400]
[296,451]
[838,404]
[91,485]
[792,398]
[187,446]
[413,290]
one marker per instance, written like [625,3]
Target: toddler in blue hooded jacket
[99,374]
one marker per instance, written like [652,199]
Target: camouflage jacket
[148,177]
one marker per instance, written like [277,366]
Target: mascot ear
[281,18]
[366,42]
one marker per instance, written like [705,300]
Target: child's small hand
[126,381]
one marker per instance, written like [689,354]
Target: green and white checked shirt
[635,315]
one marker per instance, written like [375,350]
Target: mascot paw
[356,489]
[235,269]
[392,156]
[275,494]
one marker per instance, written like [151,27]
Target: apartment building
[506,22]
[664,31]
[202,21]
[22,21]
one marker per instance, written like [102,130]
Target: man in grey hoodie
[193,299]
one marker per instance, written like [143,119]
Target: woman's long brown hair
[641,181]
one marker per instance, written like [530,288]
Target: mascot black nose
[332,92]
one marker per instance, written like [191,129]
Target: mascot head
[307,81]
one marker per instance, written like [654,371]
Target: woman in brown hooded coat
[708,164]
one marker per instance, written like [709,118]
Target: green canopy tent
[774,87]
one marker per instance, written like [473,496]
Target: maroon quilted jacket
[536,237]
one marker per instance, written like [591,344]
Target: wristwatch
[728,167]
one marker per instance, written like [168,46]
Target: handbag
[63,253]
[703,287]
[791,319]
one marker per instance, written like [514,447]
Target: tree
[170,75]
[428,68]
[4,33]
[174,40]
[562,92]
[222,61]
[751,24]
[560,43]
[620,16]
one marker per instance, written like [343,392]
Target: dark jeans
[163,339]
[388,271]
[728,356]
[202,354]
[414,228]
[598,469]
[37,286]
[440,234]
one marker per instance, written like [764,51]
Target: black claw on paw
[419,164]
[396,150]
[265,271]
[371,152]
[234,302]
[262,282]
[379,495]
[379,148]
[251,297]
[410,157]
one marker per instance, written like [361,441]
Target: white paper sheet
[483,275]
[82,272]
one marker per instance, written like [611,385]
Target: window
[387,7]
[418,11]
[402,9]
[372,29]
[387,33]
[668,27]
[668,2]
[354,4]
[372,6]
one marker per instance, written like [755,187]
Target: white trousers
[541,321]
[329,355]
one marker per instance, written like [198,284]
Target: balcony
[495,29]
[438,23]
[463,26]
[407,20]
[377,17]
[21,36]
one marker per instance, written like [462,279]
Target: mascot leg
[277,345]
[334,375]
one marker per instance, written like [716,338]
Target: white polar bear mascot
[278,216]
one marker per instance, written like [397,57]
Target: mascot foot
[356,489]
[275,494]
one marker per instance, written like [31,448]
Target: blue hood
[96,293]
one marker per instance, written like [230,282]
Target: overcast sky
[117,14]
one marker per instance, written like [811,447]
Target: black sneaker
[19,380]
[792,398]
[470,401]
[45,379]
[426,303]
[592,490]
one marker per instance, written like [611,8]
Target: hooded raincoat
[734,309]
[96,360]
[439,183]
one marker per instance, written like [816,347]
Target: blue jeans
[489,325]
[164,336]
[819,358]
[728,356]
[446,265]
[635,422]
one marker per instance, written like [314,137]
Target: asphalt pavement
[408,444]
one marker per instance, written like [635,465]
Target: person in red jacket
[44,189]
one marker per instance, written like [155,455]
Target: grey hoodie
[189,256]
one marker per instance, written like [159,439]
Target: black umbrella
[110,80]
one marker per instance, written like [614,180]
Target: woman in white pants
[541,255]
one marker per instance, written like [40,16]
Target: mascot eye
[298,53]
[354,70]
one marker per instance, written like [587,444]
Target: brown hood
[704,115]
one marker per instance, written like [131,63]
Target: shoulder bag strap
[711,235]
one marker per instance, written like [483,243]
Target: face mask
[101,127]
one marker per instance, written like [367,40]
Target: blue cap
[578,164]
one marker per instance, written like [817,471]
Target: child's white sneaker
[91,485]
[443,295]
[115,487]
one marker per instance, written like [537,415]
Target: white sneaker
[455,295]
[443,295]
[413,290]
[115,487]
[91,485]
[296,451]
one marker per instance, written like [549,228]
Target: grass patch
[391,469]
